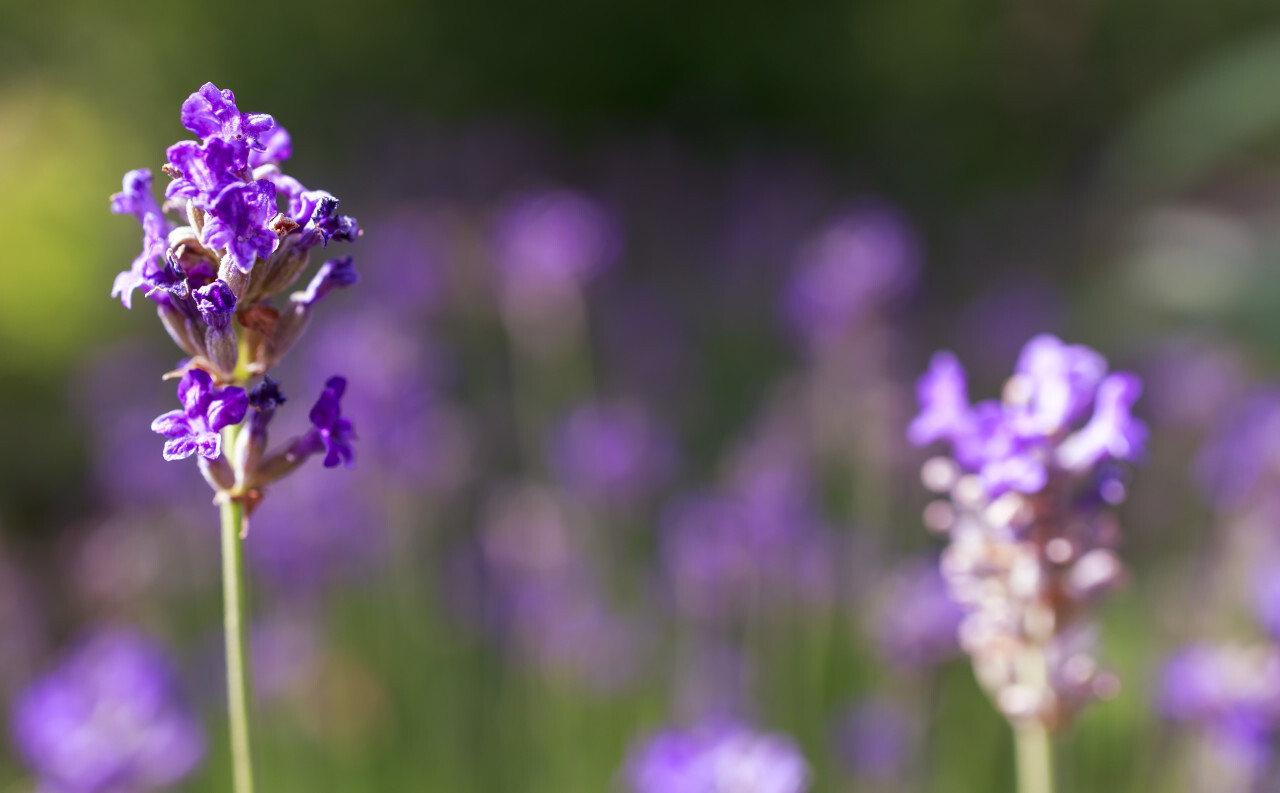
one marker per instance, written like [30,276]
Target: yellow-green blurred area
[1123,154]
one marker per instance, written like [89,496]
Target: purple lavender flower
[205,412]
[277,146]
[202,171]
[108,719]
[1013,444]
[611,452]
[239,217]
[865,259]
[317,212]
[331,432]
[1231,694]
[1029,534]
[945,413]
[717,757]
[547,241]
[135,197]
[210,112]
[333,274]
[1241,453]
[917,619]
[216,303]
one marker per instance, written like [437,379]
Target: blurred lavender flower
[108,719]
[315,532]
[758,541]
[1030,536]
[1193,381]
[542,592]
[874,741]
[858,263]
[716,757]
[549,243]
[1243,451]
[612,452]
[1233,694]
[916,619]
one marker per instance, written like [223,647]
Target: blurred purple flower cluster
[717,757]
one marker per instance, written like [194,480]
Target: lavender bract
[108,719]
[1030,537]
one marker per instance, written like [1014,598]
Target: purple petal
[179,448]
[208,445]
[194,391]
[1112,431]
[227,407]
[944,403]
[173,424]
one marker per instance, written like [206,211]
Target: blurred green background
[1023,137]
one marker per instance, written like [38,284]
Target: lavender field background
[645,291]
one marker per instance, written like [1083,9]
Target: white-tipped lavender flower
[215,279]
[1031,540]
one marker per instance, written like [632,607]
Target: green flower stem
[234,610]
[1032,740]
[1035,758]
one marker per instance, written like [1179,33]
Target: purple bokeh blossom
[1242,455]
[108,719]
[712,758]
[861,261]
[917,620]
[611,452]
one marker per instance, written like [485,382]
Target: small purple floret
[239,218]
[216,303]
[277,147]
[135,198]
[331,432]
[205,412]
[333,274]
[202,172]
[210,112]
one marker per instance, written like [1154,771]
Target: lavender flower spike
[1030,539]
[205,412]
[219,277]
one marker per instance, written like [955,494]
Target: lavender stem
[1033,742]
[238,678]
